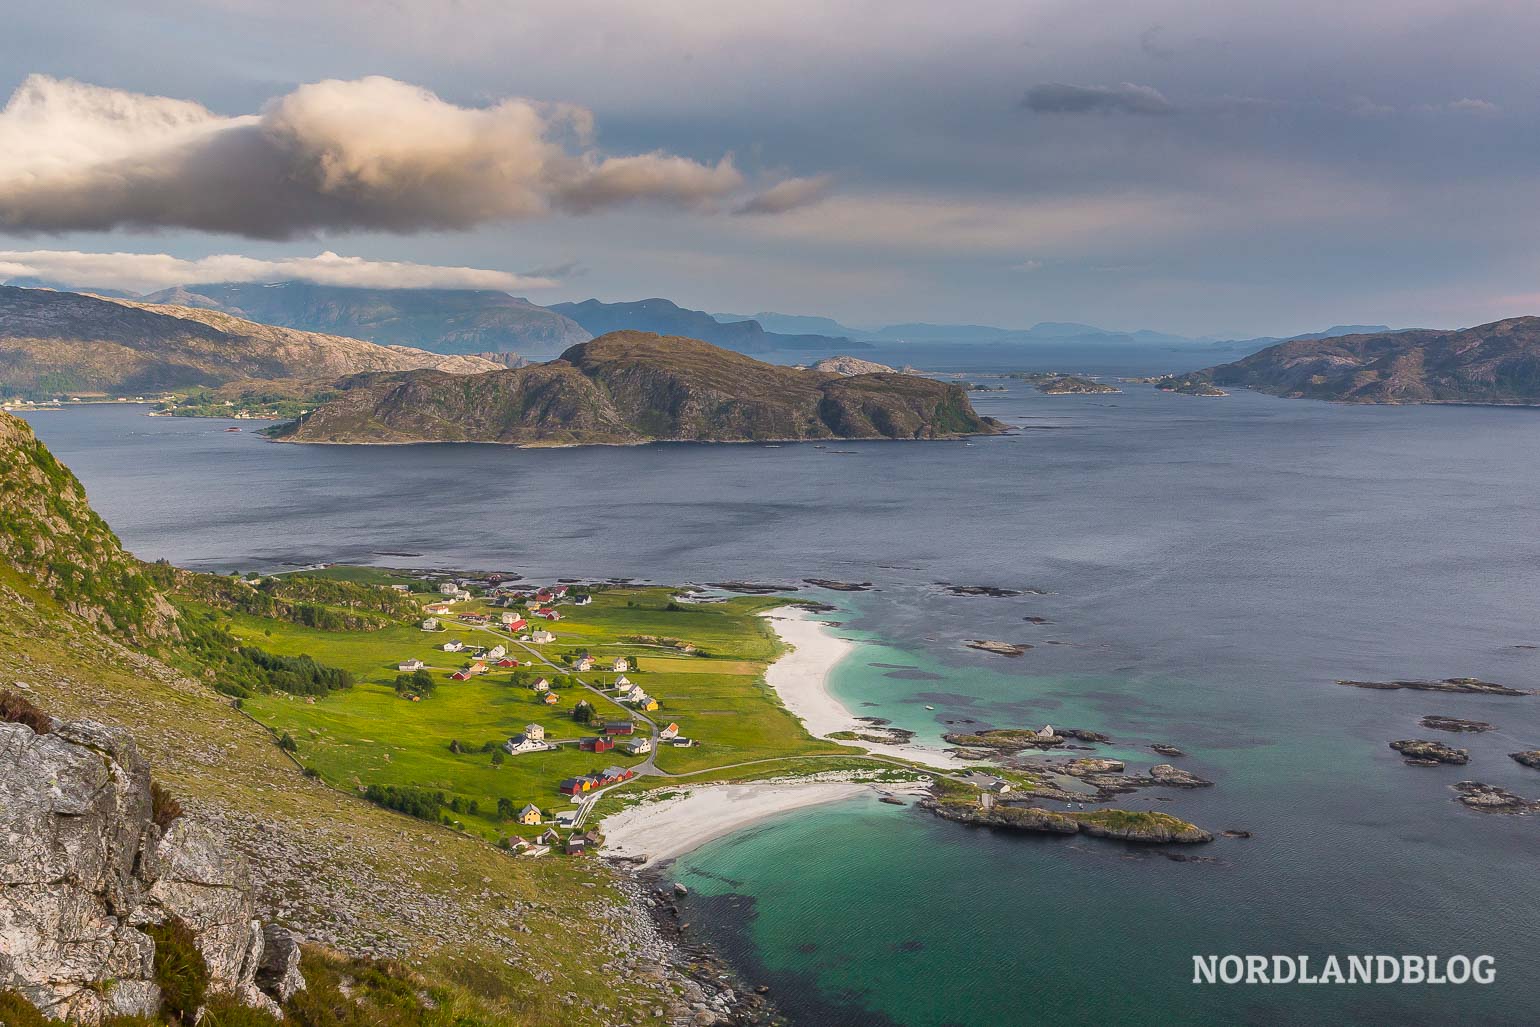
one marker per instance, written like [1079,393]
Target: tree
[505,810]
[287,743]
[498,757]
[583,712]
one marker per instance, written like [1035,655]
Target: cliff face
[638,387]
[49,532]
[61,342]
[1497,363]
[86,870]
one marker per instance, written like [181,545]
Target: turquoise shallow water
[1211,566]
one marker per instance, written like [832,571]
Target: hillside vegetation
[58,343]
[1497,363]
[629,387]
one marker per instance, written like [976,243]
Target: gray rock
[1166,774]
[278,973]
[84,869]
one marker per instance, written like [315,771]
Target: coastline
[655,833]
[801,679]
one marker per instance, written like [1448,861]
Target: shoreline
[652,834]
[801,679]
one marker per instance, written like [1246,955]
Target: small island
[1051,383]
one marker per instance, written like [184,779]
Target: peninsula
[633,387]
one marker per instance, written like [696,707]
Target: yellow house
[529,815]
[650,705]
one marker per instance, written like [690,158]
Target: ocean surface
[1208,569]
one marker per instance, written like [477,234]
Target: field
[368,735]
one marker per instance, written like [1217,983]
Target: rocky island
[1462,686]
[1054,384]
[633,387]
[1420,752]
[952,801]
[1488,364]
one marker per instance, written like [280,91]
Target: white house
[541,637]
[448,588]
[584,663]
[509,617]
[622,682]
[497,652]
[620,665]
[407,666]
[583,600]
[636,746]
[541,685]
[535,731]
[430,624]
[454,645]
[672,731]
[520,744]
[461,594]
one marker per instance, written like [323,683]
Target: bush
[415,802]
[287,743]
[180,971]
[16,1011]
[163,805]
[18,709]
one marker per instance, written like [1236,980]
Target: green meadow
[369,735]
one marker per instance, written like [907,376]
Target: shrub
[287,743]
[226,1011]
[18,709]
[163,805]
[16,1011]
[415,802]
[180,971]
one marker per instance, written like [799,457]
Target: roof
[528,807]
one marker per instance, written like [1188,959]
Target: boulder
[84,869]
[1423,753]
[1174,777]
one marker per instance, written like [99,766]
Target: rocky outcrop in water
[1464,686]
[90,863]
[1420,752]
[1124,825]
[1530,758]
[990,645]
[1174,777]
[1492,799]
[1436,722]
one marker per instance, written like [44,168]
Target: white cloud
[1027,266]
[372,153]
[788,195]
[146,272]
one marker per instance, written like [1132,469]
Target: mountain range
[1497,363]
[61,342]
[665,317]
[630,387]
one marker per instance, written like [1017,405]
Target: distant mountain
[796,324]
[440,320]
[665,317]
[1331,333]
[61,342]
[1496,363]
[630,387]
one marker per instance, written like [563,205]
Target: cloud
[1465,105]
[371,154]
[1027,266]
[146,272]
[1124,98]
[788,195]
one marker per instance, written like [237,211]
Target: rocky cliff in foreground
[95,863]
[1497,363]
[631,387]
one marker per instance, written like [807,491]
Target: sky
[1212,167]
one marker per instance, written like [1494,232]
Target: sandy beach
[801,679]
[669,828]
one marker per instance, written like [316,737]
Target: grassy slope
[338,868]
[368,735]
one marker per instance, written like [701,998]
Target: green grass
[369,735]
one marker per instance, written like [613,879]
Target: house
[497,652]
[532,604]
[437,609]
[530,814]
[596,744]
[517,624]
[647,704]
[582,600]
[541,685]
[534,850]
[535,731]
[575,786]
[629,693]
[402,588]
[551,698]
[619,773]
[544,595]
[477,668]
[542,637]
[477,651]
[583,663]
[576,845]
[559,591]
[620,665]
[448,588]
[454,645]
[522,743]
[567,818]
[461,594]
[509,618]
[549,837]
[636,746]
[460,675]
[430,624]
[669,733]
[681,742]
[618,727]
[505,662]
[408,666]
[475,618]
[622,682]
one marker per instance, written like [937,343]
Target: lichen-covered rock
[278,974]
[84,867]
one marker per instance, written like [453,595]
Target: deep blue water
[1211,565]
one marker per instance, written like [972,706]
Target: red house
[618,727]
[599,744]
[517,624]
[507,663]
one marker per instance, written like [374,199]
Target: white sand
[667,829]
[801,679]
